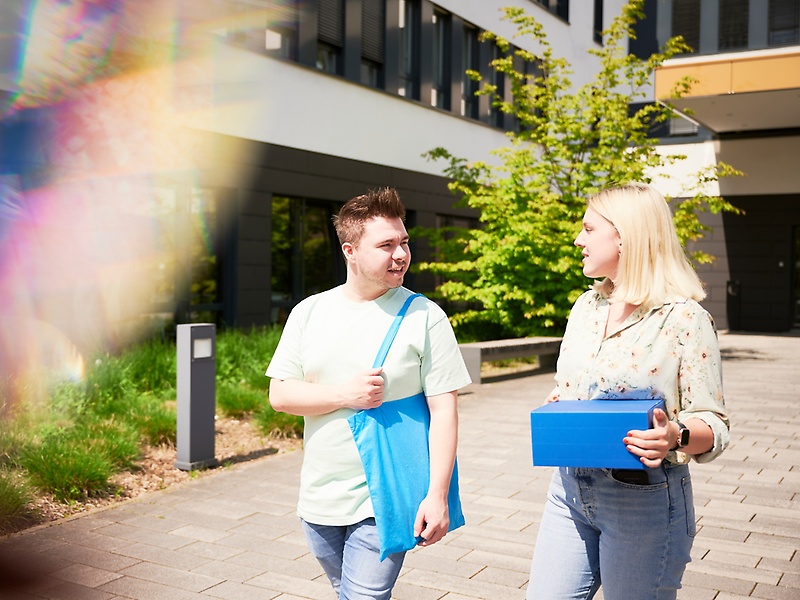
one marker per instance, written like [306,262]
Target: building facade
[296,106]
[744,109]
[317,101]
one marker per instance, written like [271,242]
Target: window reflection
[306,258]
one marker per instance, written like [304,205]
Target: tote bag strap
[390,335]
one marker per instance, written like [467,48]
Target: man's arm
[302,398]
[433,518]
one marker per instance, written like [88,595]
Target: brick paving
[234,535]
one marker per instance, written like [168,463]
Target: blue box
[589,433]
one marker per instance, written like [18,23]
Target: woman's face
[600,246]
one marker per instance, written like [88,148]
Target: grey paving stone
[235,533]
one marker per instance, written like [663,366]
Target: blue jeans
[633,539]
[350,556]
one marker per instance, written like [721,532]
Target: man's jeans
[633,539]
[350,556]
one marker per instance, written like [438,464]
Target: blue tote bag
[392,441]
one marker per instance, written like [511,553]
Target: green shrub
[67,470]
[15,499]
[239,400]
[71,443]
[243,356]
[271,422]
[156,419]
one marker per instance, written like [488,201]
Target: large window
[410,19]
[597,34]
[686,22]
[784,22]
[734,17]
[306,257]
[187,268]
[440,92]
[373,26]
[281,33]
[497,79]
[797,276]
[557,7]
[330,35]
[470,55]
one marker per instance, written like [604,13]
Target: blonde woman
[639,332]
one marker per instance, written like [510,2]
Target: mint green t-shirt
[329,339]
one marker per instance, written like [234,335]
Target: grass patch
[71,443]
[15,500]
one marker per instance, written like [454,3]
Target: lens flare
[104,170]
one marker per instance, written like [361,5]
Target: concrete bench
[475,353]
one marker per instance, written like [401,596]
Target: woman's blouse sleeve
[700,381]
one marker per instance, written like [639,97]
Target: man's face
[380,260]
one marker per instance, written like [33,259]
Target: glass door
[796,295]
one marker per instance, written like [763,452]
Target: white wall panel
[267,100]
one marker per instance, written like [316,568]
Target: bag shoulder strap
[390,335]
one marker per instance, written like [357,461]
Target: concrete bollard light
[196,384]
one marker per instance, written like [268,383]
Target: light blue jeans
[350,556]
[633,539]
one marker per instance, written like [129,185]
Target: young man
[321,370]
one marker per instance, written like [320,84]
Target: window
[188,266]
[784,22]
[330,35]
[410,20]
[679,126]
[206,288]
[734,16]
[598,22]
[306,257]
[281,33]
[278,38]
[497,79]
[797,275]
[686,22]
[440,92]
[470,54]
[373,26]
[557,7]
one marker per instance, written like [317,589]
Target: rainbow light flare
[93,143]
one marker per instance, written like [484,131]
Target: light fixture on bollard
[196,396]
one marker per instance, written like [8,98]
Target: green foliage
[238,399]
[68,470]
[73,444]
[243,356]
[14,500]
[278,424]
[518,274]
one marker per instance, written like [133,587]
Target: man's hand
[365,390]
[433,520]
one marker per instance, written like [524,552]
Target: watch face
[684,437]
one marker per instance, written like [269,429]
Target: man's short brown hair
[383,202]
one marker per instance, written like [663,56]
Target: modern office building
[745,105]
[296,106]
[320,100]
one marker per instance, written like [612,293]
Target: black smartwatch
[683,436]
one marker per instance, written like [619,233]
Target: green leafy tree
[518,273]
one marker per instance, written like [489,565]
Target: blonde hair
[653,268]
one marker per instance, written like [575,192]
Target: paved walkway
[234,535]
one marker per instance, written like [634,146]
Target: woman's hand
[652,445]
[553,397]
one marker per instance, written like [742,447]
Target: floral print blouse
[669,352]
